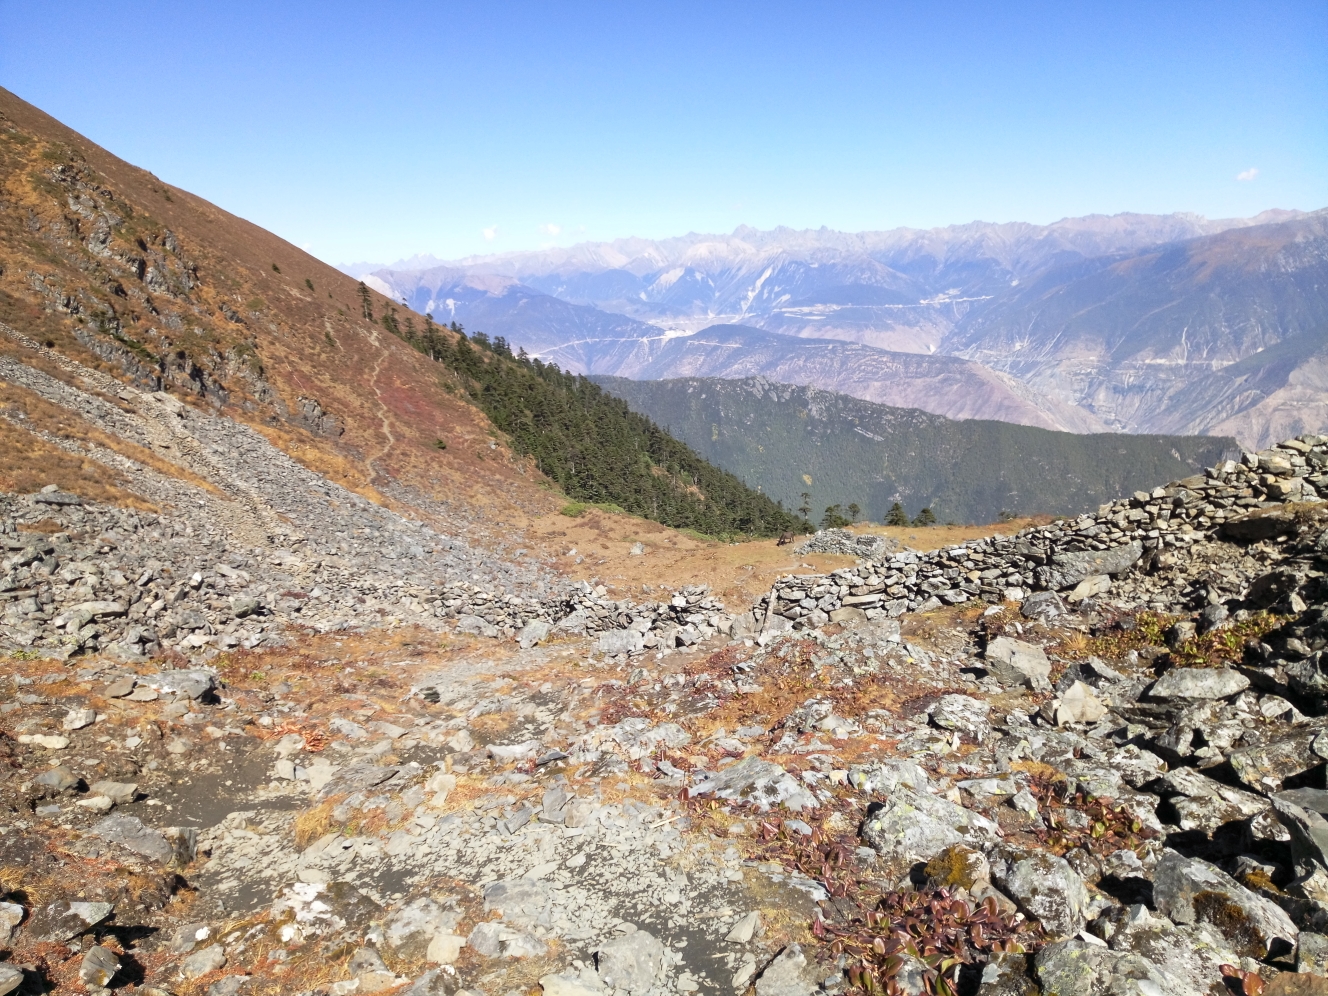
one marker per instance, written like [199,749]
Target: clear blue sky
[375,131]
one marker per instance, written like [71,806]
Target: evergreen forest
[590,443]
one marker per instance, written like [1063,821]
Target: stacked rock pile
[1082,554]
[689,616]
[841,541]
[79,577]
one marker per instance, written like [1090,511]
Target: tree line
[587,441]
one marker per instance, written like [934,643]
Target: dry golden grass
[28,463]
[41,415]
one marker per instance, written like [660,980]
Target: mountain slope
[107,271]
[1142,323]
[1190,337]
[587,340]
[771,435]
[147,282]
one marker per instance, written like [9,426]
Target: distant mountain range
[1136,323]
[789,440]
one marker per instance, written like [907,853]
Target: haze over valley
[1128,323]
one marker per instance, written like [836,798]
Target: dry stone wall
[1085,555]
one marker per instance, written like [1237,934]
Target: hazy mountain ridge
[1141,323]
[586,340]
[771,435]
[1183,338]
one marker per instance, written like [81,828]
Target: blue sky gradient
[379,131]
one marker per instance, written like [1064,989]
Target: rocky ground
[1088,758]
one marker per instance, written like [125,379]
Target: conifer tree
[896,516]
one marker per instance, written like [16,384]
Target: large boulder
[1016,663]
[620,641]
[1266,766]
[1079,968]
[1067,569]
[1205,804]
[1190,890]
[914,826]
[633,962]
[1046,888]
[883,777]
[790,974]
[1199,683]
[1193,953]
[963,714]
[1301,812]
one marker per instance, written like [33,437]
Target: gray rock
[1199,683]
[788,975]
[1266,766]
[119,688]
[1046,888]
[1078,968]
[884,777]
[130,833]
[411,929]
[759,782]
[743,930]
[1068,569]
[229,986]
[11,915]
[63,920]
[78,719]
[205,960]
[1015,663]
[244,607]
[434,982]
[964,714]
[58,779]
[11,977]
[476,626]
[1312,953]
[1193,953]
[578,813]
[534,632]
[187,937]
[1190,890]
[913,826]
[1300,812]
[195,684]
[356,778]
[1043,606]
[497,940]
[620,641]
[57,498]
[553,805]
[520,900]
[120,793]
[1206,804]
[632,962]
[99,966]
[1006,975]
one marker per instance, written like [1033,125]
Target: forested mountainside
[841,450]
[591,443]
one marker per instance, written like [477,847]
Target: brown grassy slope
[158,287]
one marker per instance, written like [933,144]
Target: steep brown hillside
[119,271]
